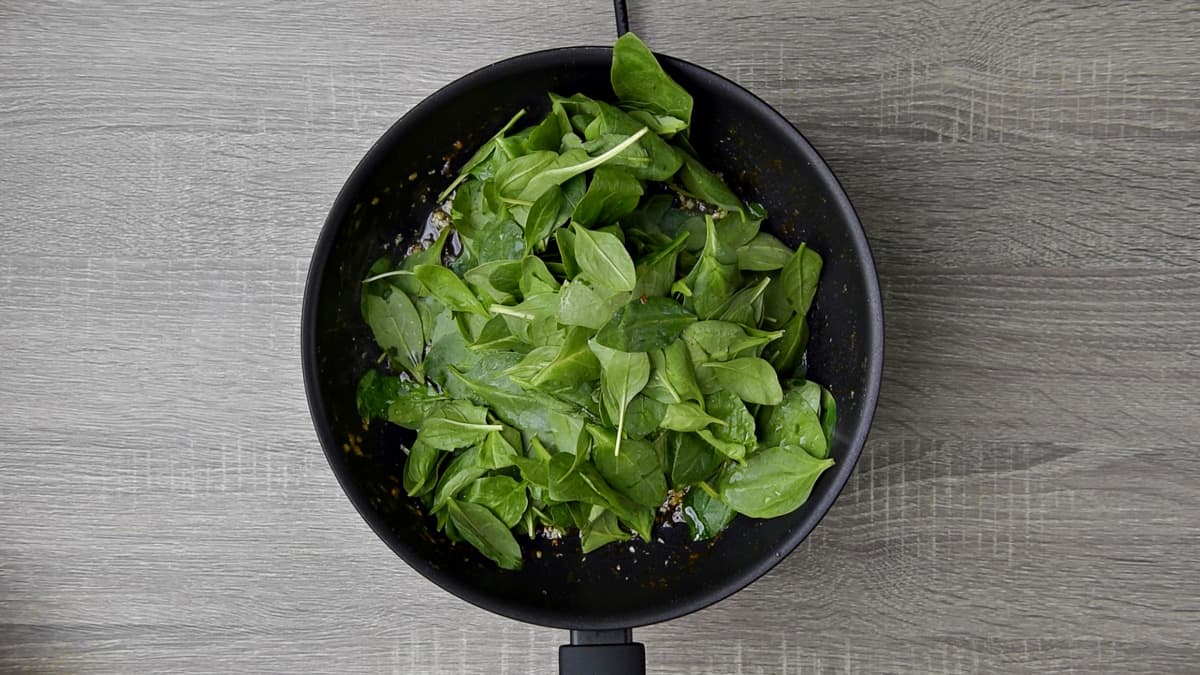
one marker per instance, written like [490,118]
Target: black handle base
[623,659]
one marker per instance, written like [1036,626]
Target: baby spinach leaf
[714,278]
[691,459]
[612,193]
[796,421]
[687,416]
[480,528]
[704,185]
[763,253]
[570,164]
[603,259]
[772,482]
[573,364]
[799,278]
[622,376]
[503,496]
[543,218]
[456,426]
[672,378]
[397,400]
[496,336]
[745,306]
[420,469]
[531,364]
[505,240]
[656,272]
[663,125]
[705,514]
[828,416]
[498,281]
[635,471]
[496,452]
[651,158]
[738,228]
[536,415]
[566,250]
[643,417]
[397,328]
[787,353]
[645,324]
[451,291]
[751,378]
[581,305]
[722,340]
[604,529]
[515,176]
[481,155]
[736,437]
[639,81]
[535,278]
[462,470]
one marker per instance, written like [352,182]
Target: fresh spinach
[645,324]
[772,482]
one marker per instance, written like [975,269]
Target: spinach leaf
[705,186]
[635,471]
[483,530]
[462,470]
[581,305]
[656,272]
[612,193]
[566,250]
[515,176]
[786,354]
[645,324]
[738,228]
[828,416]
[640,82]
[573,364]
[690,459]
[603,259]
[498,281]
[736,437]
[566,166]
[534,319]
[622,376]
[536,278]
[535,415]
[745,306]
[796,421]
[420,469]
[687,416]
[672,378]
[706,514]
[456,425]
[799,278]
[397,400]
[651,158]
[444,284]
[543,218]
[572,480]
[505,240]
[604,529]
[496,452]
[481,155]
[722,340]
[643,416]
[663,125]
[763,253]
[397,328]
[503,496]
[751,378]
[497,336]
[714,278]
[772,482]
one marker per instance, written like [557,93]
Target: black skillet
[601,596]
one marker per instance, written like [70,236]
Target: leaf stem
[509,311]
[703,485]
[385,275]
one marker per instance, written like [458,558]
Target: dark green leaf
[397,328]
[643,417]
[515,176]
[622,376]
[612,193]
[534,414]
[799,278]
[714,279]
[498,281]
[691,459]
[645,324]
[751,378]
[604,529]
[503,496]
[796,421]
[722,340]
[746,306]
[772,482]
[786,354]
[451,291]
[535,278]
[581,305]
[573,364]
[705,186]
[764,253]
[635,471]
[462,470]
[687,416]
[828,416]
[706,515]
[738,228]
[420,469]
[640,82]
[570,164]
[566,250]
[672,378]
[736,437]
[496,452]
[397,400]
[482,529]
[455,424]
[603,259]
[543,218]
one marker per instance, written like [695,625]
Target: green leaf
[604,529]
[496,452]
[635,470]
[572,480]
[764,253]
[603,259]
[690,459]
[622,376]
[656,272]
[543,218]
[503,496]
[397,328]
[462,470]
[687,416]
[534,414]
[395,399]
[672,378]
[651,158]
[746,306]
[705,186]
[705,514]
[456,424]
[566,250]
[612,193]
[515,176]
[420,469]
[751,378]
[796,421]
[786,354]
[570,164]
[772,482]
[799,278]
[581,305]
[535,278]
[573,364]
[828,416]
[643,416]
[481,155]
[714,278]
[639,81]
[735,438]
[645,324]
[483,530]
[498,281]
[715,340]
[451,291]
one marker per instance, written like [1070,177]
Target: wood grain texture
[1028,175]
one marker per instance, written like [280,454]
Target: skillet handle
[602,652]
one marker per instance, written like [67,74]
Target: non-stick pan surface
[383,208]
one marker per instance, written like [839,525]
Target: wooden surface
[1028,174]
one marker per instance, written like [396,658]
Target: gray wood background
[1029,176]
